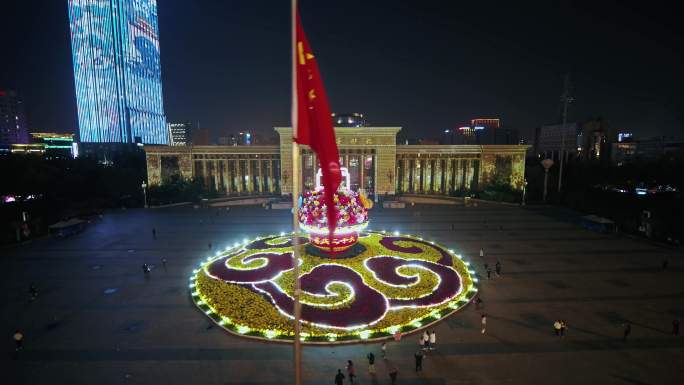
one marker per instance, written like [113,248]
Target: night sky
[424,65]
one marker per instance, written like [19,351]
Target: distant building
[117,71]
[354,119]
[481,131]
[13,125]
[230,140]
[245,138]
[597,139]
[623,152]
[56,145]
[48,144]
[200,137]
[548,140]
[625,137]
[179,134]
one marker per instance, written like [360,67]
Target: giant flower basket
[389,284]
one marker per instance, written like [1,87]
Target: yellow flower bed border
[279,330]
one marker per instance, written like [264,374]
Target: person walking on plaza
[33,292]
[484,323]
[146,270]
[626,331]
[421,341]
[675,327]
[351,372]
[383,350]
[478,303]
[563,328]
[419,360]
[371,363]
[433,339]
[481,253]
[498,268]
[164,263]
[426,338]
[393,375]
[489,273]
[339,377]
[18,340]
[154,233]
[557,327]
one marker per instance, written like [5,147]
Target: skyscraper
[115,47]
[13,127]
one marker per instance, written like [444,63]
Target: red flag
[311,119]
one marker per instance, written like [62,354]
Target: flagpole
[295,207]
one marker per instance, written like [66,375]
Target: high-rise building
[179,134]
[13,126]
[115,47]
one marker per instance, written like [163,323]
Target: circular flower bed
[396,284]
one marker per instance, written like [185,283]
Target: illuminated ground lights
[397,284]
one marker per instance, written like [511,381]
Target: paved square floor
[98,321]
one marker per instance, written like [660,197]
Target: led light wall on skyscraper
[115,47]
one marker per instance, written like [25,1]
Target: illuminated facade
[117,72]
[374,161]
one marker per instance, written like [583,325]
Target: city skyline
[239,78]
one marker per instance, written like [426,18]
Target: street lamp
[546,163]
[144,187]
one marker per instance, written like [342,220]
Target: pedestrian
[421,341]
[484,323]
[393,375]
[383,350]
[426,338]
[419,360]
[557,327]
[164,263]
[209,245]
[498,268]
[481,253]
[433,339]
[154,233]
[675,327]
[34,292]
[371,363]
[453,227]
[339,377]
[626,331]
[397,336]
[478,303]
[350,371]
[146,270]
[489,273]
[18,339]
[564,328]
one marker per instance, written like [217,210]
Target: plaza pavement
[148,332]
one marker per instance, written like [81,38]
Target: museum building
[375,162]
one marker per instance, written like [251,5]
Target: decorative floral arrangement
[352,208]
[398,284]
